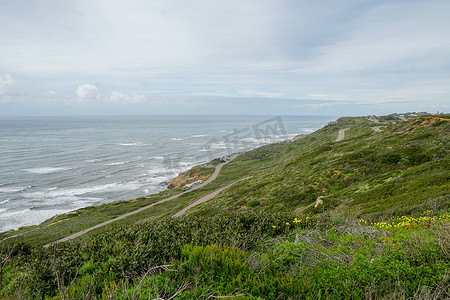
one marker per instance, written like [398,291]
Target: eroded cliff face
[190,176]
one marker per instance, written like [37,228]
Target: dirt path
[205,198]
[341,134]
[377,129]
[213,176]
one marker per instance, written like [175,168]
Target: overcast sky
[64,57]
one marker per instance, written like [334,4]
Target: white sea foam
[2,210]
[17,219]
[198,135]
[15,213]
[66,194]
[156,157]
[220,145]
[66,202]
[176,139]
[4,201]
[251,140]
[259,140]
[156,171]
[14,189]
[153,181]
[85,201]
[118,163]
[93,160]
[46,170]
[309,130]
[133,144]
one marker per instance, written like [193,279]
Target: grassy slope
[376,175]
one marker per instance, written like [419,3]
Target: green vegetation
[254,255]
[375,175]
[381,229]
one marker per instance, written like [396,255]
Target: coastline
[249,164]
[54,219]
[124,170]
[60,218]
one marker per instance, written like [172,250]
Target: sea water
[53,165]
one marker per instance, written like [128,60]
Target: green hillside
[375,175]
[366,217]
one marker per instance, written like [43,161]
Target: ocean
[53,165]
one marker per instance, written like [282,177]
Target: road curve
[341,134]
[205,198]
[75,235]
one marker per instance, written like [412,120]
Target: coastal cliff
[192,175]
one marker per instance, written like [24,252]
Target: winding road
[341,134]
[200,200]
[205,198]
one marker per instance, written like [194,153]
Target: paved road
[205,198]
[75,235]
[341,134]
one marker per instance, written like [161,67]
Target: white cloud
[390,37]
[119,97]
[50,94]
[260,94]
[334,50]
[87,92]
[329,104]
[318,96]
[10,86]
[212,94]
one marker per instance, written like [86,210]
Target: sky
[265,57]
